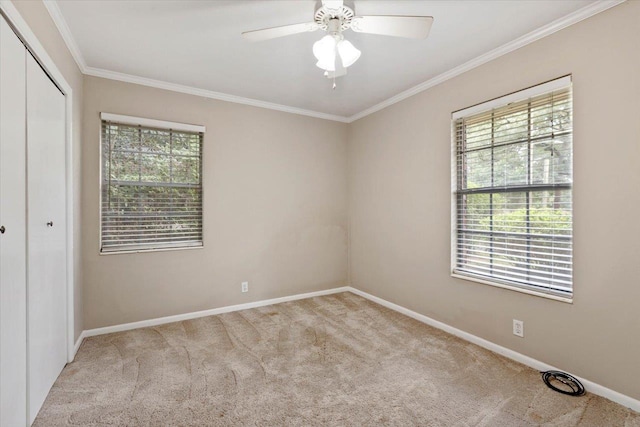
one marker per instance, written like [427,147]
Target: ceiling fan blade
[413,27]
[272,33]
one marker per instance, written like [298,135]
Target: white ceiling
[198,44]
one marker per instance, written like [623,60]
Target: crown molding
[65,32]
[553,27]
[158,84]
[58,19]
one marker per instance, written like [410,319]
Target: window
[151,184]
[512,194]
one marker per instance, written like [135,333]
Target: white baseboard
[590,386]
[204,313]
[77,345]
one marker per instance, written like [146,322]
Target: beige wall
[275,209]
[38,19]
[276,203]
[399,195]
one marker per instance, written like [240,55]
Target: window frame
[502,101]
[156,125]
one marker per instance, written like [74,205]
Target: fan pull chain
[334,83]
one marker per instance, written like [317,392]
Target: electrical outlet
[245,286]
[518,328]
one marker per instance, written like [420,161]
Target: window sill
[514,288]
[142,251]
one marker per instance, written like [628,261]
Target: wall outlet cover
[518,328]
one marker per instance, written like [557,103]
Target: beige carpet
[335,360]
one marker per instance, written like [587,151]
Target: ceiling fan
[333,52]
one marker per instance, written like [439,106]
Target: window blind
[513,196]
[151,188]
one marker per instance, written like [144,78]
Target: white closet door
[13,282]
[46,289]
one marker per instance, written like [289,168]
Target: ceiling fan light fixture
[329,47]
[348,53]
[325,52]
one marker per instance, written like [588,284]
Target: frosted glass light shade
[327,65]
[327,48]
[325,52]
[348,53]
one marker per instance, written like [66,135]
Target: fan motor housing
[324,15]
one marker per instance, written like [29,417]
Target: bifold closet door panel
[13,237]
[47,263]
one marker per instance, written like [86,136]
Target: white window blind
[151,187]
[513,197]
